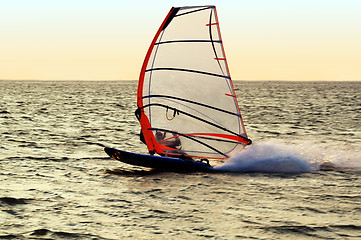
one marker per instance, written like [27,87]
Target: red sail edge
[149,138]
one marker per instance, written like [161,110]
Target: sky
[108,39]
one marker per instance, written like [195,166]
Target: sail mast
[143,119]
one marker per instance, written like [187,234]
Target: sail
[186,101]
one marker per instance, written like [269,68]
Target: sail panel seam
[247,141]
[193,102]
[187,70]
[189,41]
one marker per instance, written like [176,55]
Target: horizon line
[117,80]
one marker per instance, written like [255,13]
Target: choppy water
[56,182]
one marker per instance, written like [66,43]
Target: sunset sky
[108,39]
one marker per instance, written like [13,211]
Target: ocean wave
[44,233]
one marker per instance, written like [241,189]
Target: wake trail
[276,157]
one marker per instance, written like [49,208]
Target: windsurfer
[173,142]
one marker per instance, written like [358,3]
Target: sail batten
[197,103]
[188,70]
[186,101]
[189,41]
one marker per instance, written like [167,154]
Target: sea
[300,179]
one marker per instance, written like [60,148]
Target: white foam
[293,157]
[267,157]
[336,156]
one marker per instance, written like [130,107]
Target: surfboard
[186,104]
[159,162]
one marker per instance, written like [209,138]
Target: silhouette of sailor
[173,142]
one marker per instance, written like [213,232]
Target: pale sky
[108,39]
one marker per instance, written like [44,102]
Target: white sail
[186,100]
